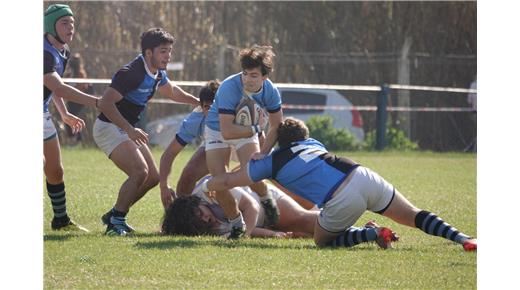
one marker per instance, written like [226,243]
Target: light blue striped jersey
[305,168]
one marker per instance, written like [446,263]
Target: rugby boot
[66,224]
[237,232]
[116,230]
[272,213]
[106,220]
[385,236]
[470,245]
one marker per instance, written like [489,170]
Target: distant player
[114,129]
[59,31]
[191,128]
[222,133]
[343,188]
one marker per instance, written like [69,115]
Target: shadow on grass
[143,235]
[252,243]
[196,242]
[57,237]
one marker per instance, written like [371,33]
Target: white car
[349,120]
[162,131]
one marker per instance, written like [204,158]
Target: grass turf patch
[442,183]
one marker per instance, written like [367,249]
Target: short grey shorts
[108,136]
[366,190]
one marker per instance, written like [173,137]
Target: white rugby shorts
[214,140]
[108,136]
[49,130]
[366,190]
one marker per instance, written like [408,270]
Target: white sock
[238,221]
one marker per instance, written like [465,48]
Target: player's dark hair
[291,130]
[258,56]
[154,37]
[183,218]
[207,93]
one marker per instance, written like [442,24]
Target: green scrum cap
[51,16]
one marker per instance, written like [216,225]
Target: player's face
[252,79]
[205,107]
[161,56]
[65,28]
[207,216]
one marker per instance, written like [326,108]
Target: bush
[395,140]
[321,129]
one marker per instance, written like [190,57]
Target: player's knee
[139,174]
[153,178]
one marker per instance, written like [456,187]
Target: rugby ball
[247,112]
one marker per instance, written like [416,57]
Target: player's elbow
[61,90]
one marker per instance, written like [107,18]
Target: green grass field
[442,183]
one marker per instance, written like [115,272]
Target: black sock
[353,236]
[56,193]
[431,224]
[118,217]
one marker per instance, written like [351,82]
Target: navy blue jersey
[305,168]
[53,61]
[137,85]
[192,127]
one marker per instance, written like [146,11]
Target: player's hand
[211,195]
[257,156]
[167,196]
[139,136]
[75,123]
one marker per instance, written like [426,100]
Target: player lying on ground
[343,188]
[200,214]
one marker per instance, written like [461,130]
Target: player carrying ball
[222,133]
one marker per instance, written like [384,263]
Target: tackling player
[343,188]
